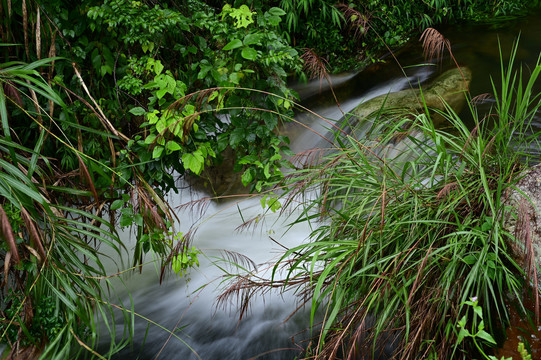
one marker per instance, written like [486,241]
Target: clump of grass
[409,238]
[53,294]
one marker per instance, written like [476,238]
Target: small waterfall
[188,307]
[329,113]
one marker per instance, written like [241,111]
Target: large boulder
[448,88]
[523,219]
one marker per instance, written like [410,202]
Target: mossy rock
[447,90]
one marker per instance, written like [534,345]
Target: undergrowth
[409,228]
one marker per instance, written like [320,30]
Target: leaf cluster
[231,51]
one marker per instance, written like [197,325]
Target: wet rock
[220,180]
[448,88]
[524,218]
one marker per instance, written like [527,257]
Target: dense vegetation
[102,101]
[414,251]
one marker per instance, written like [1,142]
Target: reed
[413,229]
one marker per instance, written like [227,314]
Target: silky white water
[188,307]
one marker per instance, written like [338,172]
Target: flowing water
[189,307]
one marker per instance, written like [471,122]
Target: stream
[203,328]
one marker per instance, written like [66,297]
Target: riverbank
[90,144]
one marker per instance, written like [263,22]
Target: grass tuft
[412,230]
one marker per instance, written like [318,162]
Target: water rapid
[188,307]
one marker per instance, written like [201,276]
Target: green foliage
[229,52]
[299,11]
[147,57]
[355,33]
[271,201]
[134,69]
[46,323]
[242,15]
[395,22]
[523,352]
[53,274]
[186,260]
[138,68]
[479,333]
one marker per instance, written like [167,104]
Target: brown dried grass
[434,45]
[357,22]
[6,232]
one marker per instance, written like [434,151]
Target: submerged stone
[446,90]
[449,87]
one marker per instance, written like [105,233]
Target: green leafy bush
[228,52]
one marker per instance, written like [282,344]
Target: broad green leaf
[233,44]
[161,125]
[249,53]
[486,336]
[176,265]
[273,19]
[266,170]
[247,177]
[153,117]
[150,139]
[251,39]
[117,204]
[138,111]
[235,77]
[157,152]
[242,16]
[126,220]
[204,70]
[158,67]
[173,146]
[213,95]
[106,69]
[479,311]
[276,11]
[193,162]
[271,120]
[470,259]
[160,93]
[236,137]
[171,84]
[139,219]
